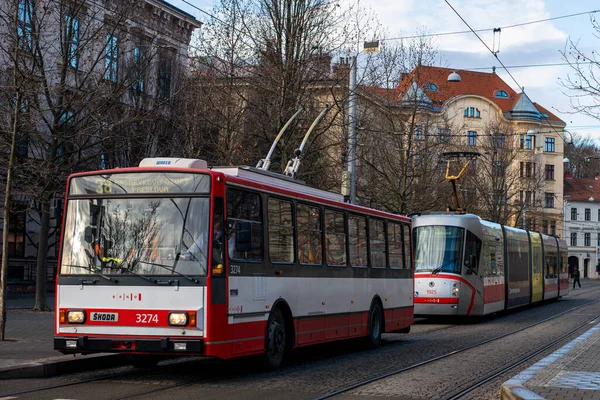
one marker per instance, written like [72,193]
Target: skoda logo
[431,284]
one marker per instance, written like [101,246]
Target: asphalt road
[322,369]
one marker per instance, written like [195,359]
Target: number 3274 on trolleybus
[175,258]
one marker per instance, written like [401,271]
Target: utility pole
[352,130]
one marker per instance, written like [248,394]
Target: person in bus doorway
[576,277]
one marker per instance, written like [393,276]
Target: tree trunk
[7,195]
[41,298]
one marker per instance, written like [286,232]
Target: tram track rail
[124,375]
[481,382]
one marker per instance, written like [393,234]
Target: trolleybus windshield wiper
[93,271]
[170,269]
[129,265]
[436,270]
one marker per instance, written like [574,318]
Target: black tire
[375,325]
[276,340]
[143,360]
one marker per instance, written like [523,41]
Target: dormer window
[472,112]
[430,87]
[501,93]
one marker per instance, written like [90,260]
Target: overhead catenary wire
[501,63]
[434,34]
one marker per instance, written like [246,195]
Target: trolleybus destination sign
[144,183]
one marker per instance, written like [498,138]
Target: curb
[517,392]
[53,368]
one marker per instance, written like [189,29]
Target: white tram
[467,266]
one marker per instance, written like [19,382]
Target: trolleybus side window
[281,231]
[335,238]
[357,239]
[472,253]
[407,247]
[243,206]
[395,245]
[377,242]
[310,249]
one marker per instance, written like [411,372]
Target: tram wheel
[275,340]
[375,325]
[143,360]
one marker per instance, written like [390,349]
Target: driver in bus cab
[197,250]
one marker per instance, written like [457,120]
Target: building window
[549,200]
[164,78]
[573,214]
[430,87]
[418,132]
[573,238]
[527,169]
[587,239]
[72,41]
[598,214]
[527,142]
[443,135]
[24,27]
[598,239]
[549,145]
[472,112]
[545,227]
[588,214]
[111,67]
[498,168]
[528,197]
[16,230]
[498,140]
[549,172]
[500,93]
[553,228]
[139,81]
[471,138]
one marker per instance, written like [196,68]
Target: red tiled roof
[580,189]
[475,83]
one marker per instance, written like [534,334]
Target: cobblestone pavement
[322,369]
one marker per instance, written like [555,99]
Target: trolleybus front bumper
[86,344]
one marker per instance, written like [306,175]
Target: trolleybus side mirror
[88,234]
[243,236]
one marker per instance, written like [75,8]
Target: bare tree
[583,157]
[87,97]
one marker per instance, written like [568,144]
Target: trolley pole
[352,130]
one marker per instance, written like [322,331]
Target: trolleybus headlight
[178,318]
[76,317]
[455,288]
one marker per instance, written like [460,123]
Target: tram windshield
[438,248]
[136,236]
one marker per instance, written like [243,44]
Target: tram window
[377,242]
[357,238]
[310,249]
[395,245]
[335,238]
[472,253]
[281,231]
[407,247]
[243,206]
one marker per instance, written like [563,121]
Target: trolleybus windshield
[153,235]
[438,248]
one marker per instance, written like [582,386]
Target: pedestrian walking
[576,277]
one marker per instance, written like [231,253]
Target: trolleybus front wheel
[275,340]
[375,325]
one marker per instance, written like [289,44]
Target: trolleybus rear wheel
[143,360]
[375,325]
[275,340]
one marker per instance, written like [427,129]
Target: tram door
[472,264]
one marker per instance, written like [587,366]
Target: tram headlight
[76,317]
[455,289]
[178,318]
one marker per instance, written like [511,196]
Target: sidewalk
[571,372]
[29,351]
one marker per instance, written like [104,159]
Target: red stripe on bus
[451,277]
[436,300]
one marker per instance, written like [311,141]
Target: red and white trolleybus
[175,258]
